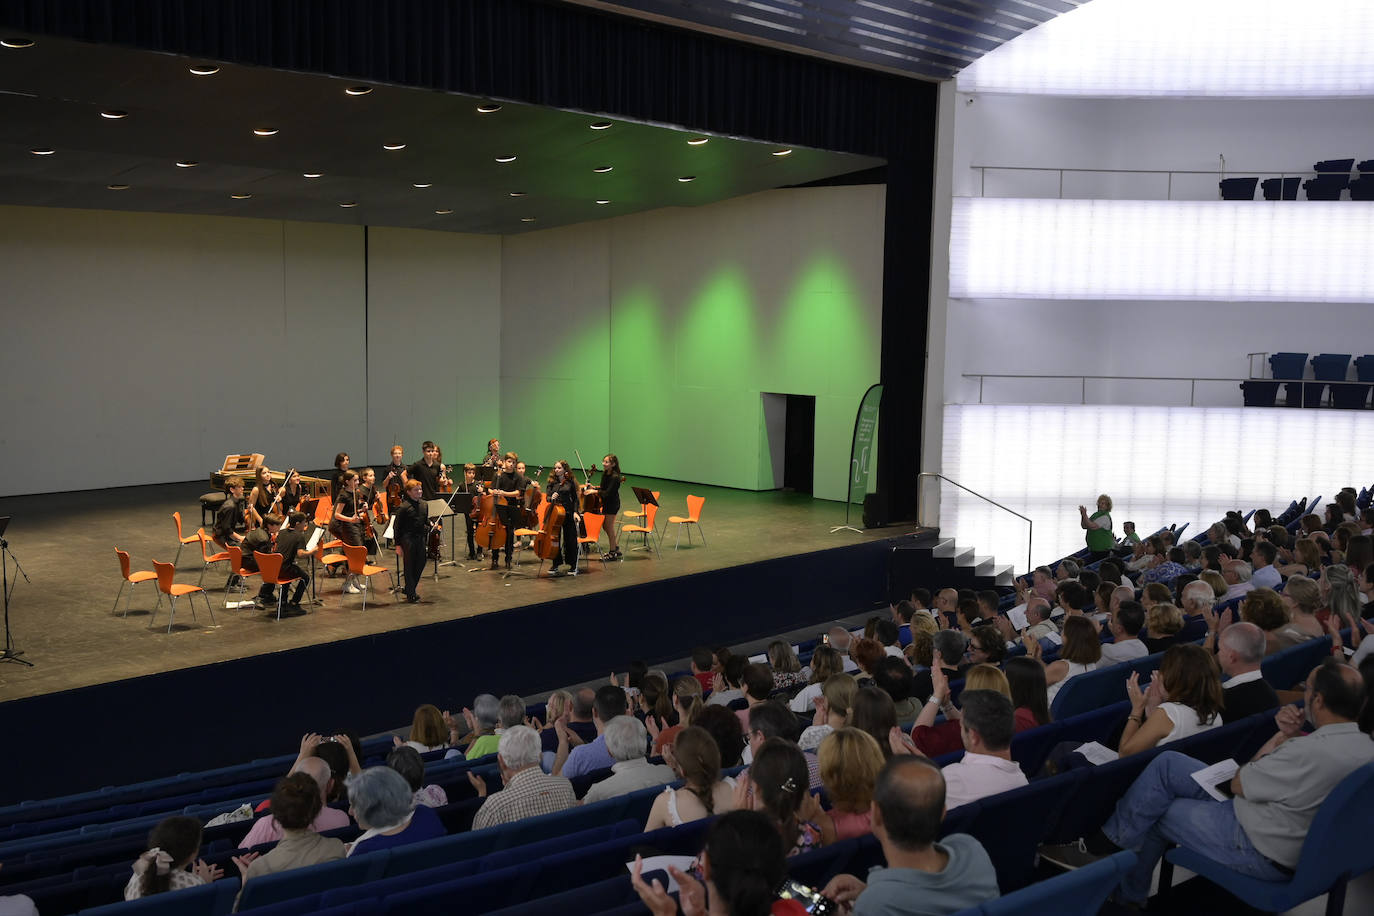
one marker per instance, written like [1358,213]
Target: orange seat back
[324,512]
[694,504]
[357,558]
[176,517]
[165,572]
[650,513]
[593,523]
[123,563]
[269,566]
[204,544]
[236,558]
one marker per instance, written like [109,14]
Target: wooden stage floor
[63,622]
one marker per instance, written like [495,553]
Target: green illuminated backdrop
[654,335]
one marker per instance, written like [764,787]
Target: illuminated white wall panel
[1160,465]
[1239,48]
[1177,250]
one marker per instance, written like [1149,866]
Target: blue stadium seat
[314,879]
[1291,666]
[1103,687]
[1010,825]
[207,900]
[612,894]
[1238,188]
[1335,851]
[1078,893]
[1280,188]
[1287,365]
[1032,747]
[475,894]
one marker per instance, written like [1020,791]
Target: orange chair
[324,512]
[269,566]
[330,560]
[694,504]
[358,566]
[182,539]
[219,557]
[236,564]
[165,572]
[130,579]
[639,513]
[541,512]
[594,523]
[650,515]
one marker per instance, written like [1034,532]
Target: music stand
[458,503]
[10,653]
[436,510]
[646,498]
[311,543]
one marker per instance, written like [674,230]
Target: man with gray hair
[267,830]
[628,741]
[1240,649]
[1237,575]
[511,713]
[949,647]
[839,641]
[528,791]
[1197,598]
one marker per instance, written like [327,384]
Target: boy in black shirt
[510,484]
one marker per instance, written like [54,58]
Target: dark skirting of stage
[113,700]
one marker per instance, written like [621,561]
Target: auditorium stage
[63,620]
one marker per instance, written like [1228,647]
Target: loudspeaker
[875,511]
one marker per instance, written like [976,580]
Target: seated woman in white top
[1184,698]
[825,661]
[1081,652]
[695,757]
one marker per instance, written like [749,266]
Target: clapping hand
[244,861]
[478,783]
[207,873]
[1135,694]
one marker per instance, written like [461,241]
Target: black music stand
[459,504]
[646,498]
[310,534]
[10,653]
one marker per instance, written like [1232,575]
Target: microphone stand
[10,654]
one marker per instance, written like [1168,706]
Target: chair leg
[213,621]
[701,531]
[119,594]
[1335,898]
[171,613]
[201,581]
[129,600]
[367,582]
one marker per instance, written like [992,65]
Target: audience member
[922,649]
[167,865]
[1028,690]
[1081,653]
[933,739]
[703,667]
[850,761]
[987,723]
[873,712]
[1164,626]
[655,703]
[1155,593]
[1260,832]
[839,640]
[1265,609]
[427,730]
[556,706]
[785,666]
[758,686]
[1167,567]
[825,662]
[923,877]
[383,806]
[724,727]
[1240,649]
[1038,622]
[742,866]
[777,786]
[627,741]
[886,635]
[686,704]
[571,762]
[832,710]
[773,720]
[726,687]
[950,645]
[1184,698]
[482,720]
[866,654]
[527,791]
[1302,598]
[266,829]
[902,612]
[895,676]
[1237,576]
[986,646]
[295,805]
[407,762]
[1125,624]
[1264,574]
[1341,594]
[696,761]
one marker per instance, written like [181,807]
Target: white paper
[1017,616]
[1097,754]
[758,659]
[656,863]
[1216,774]
[390,529]
[314,541]
[1053,638]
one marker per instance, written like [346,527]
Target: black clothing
[335,484]
[261,507]
[229,519]
[411,531]
[1153,645]
[511,514]
[289,544]
[351,533]
[511,480]
[564,493]
[289,501]
[258,540]
[921,686]
[1247,699]
[428,477]
[610,494]
[385,480]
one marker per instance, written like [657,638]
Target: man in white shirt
[1237,575]
[1125,625]
[1265,574]
[987,724]
[628,741]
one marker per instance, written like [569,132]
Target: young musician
[261,498]
[340,468]
[562,491]
[289,494]
[262,540]
[368,500]
[470,485]
[291,542]
[411,530]
[611,478]
[493,459]
[510,484]
[429,471]
[394,475]
[229,522]
[346,525]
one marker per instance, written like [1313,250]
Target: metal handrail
[1221,173]
[920,510]
[1192,380]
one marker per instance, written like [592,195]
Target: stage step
[938,562]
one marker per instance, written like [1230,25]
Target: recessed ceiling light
[114,114]
[603,169]
[527,219]
[393,146]
[266,131]
[443,212]
[600,125]
[241,196]
[357,90]
[205,70]
[117,187]
[312,174]
[603,201]
[187,164]
[16,42]
[422,184]
[489,108]
[42,151]
[697,141]
[517,193]
[782,152]
[348,203]
[505,159]
[687,178]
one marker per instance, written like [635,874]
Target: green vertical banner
[861,452]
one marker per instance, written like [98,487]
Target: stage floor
[63,621]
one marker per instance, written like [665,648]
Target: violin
[393,491]
[365,519]
[445,482]
[281,490]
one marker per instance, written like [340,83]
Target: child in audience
[778,784]
[172,846]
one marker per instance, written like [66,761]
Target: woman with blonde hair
[1164,622]
[687,703]
[825,662]
[1307,559]
[850,760]
[1302,598]
[934,739]
[832,710]
[1216,580]
[1342,595]
[786,667]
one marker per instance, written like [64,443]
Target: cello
[490,533]
[547,542]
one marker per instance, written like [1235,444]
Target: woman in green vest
[1098,527]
